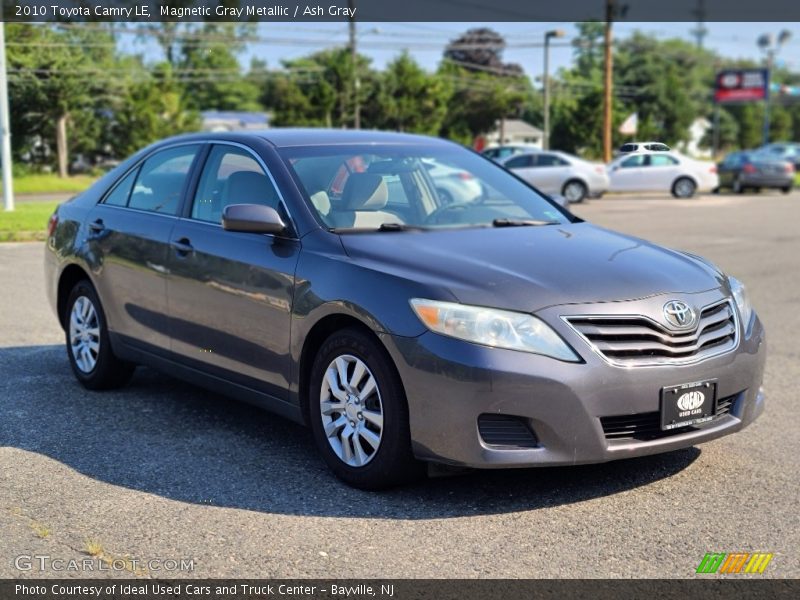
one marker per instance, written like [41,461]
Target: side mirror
[252,218]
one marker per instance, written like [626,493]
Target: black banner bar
[708,588]
[476,11]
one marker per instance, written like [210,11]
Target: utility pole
[608,83]
[5,126]
[354,59]
[546,87]
[700,31]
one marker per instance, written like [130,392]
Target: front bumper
[450,383]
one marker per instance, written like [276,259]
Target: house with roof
[228,120]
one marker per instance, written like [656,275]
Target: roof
[313,137]
[518,126]
[288,137]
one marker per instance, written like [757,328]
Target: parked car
[661,172]
[643,147]
[499,153]
[317,273]
[560,173]
[788,151]
[753,170]
[454,185]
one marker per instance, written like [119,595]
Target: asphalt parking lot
[163,470]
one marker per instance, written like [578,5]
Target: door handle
[96,226]
[183,246]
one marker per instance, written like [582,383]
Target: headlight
[742,301]
[492,327]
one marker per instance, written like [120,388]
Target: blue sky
[425,41]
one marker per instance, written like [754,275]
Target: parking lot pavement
[163,470]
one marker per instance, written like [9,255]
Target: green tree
[210,69]
[410,99]
[152,107]
[58,78]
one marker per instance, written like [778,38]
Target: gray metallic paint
[256,299]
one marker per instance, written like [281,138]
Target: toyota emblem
[679,314]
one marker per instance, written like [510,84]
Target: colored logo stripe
[721,562]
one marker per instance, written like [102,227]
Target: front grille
[506,431]
[647,426]
[637,340]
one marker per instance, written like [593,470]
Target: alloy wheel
[684,188]
[84,334]
[351,410]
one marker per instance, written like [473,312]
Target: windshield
[368,187]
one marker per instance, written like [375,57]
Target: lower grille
[647,426]
[506,431]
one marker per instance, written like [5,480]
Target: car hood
[530,268]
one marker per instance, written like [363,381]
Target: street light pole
[546,86]
[771,48]
[5,126]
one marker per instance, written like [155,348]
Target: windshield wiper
[399,227]
[521,223]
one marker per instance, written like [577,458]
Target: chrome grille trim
[638,340]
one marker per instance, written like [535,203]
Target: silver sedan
[556,172]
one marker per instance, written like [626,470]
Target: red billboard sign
[741,85]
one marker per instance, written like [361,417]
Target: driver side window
[231,175]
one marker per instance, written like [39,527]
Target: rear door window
[662,160]
[121,193]
[161,180]
[550,160]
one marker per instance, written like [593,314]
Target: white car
[629,147]
[662,172]
[454,185]
[500,153]
[556,172]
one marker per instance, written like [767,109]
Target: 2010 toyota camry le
[319,274]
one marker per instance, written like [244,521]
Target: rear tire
[359,414]
[574,191]
[684,188]
[787,189]
[88,346]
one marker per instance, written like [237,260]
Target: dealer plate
[688,404]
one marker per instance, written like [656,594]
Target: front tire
[88,346]
[359,414]
[684,188]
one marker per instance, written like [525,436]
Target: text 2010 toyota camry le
[320,275]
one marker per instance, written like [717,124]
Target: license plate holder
[688,404]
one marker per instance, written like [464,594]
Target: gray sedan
[560,173]
[753,170]
[320,275]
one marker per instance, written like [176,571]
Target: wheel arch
[70,276]
[315,338]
